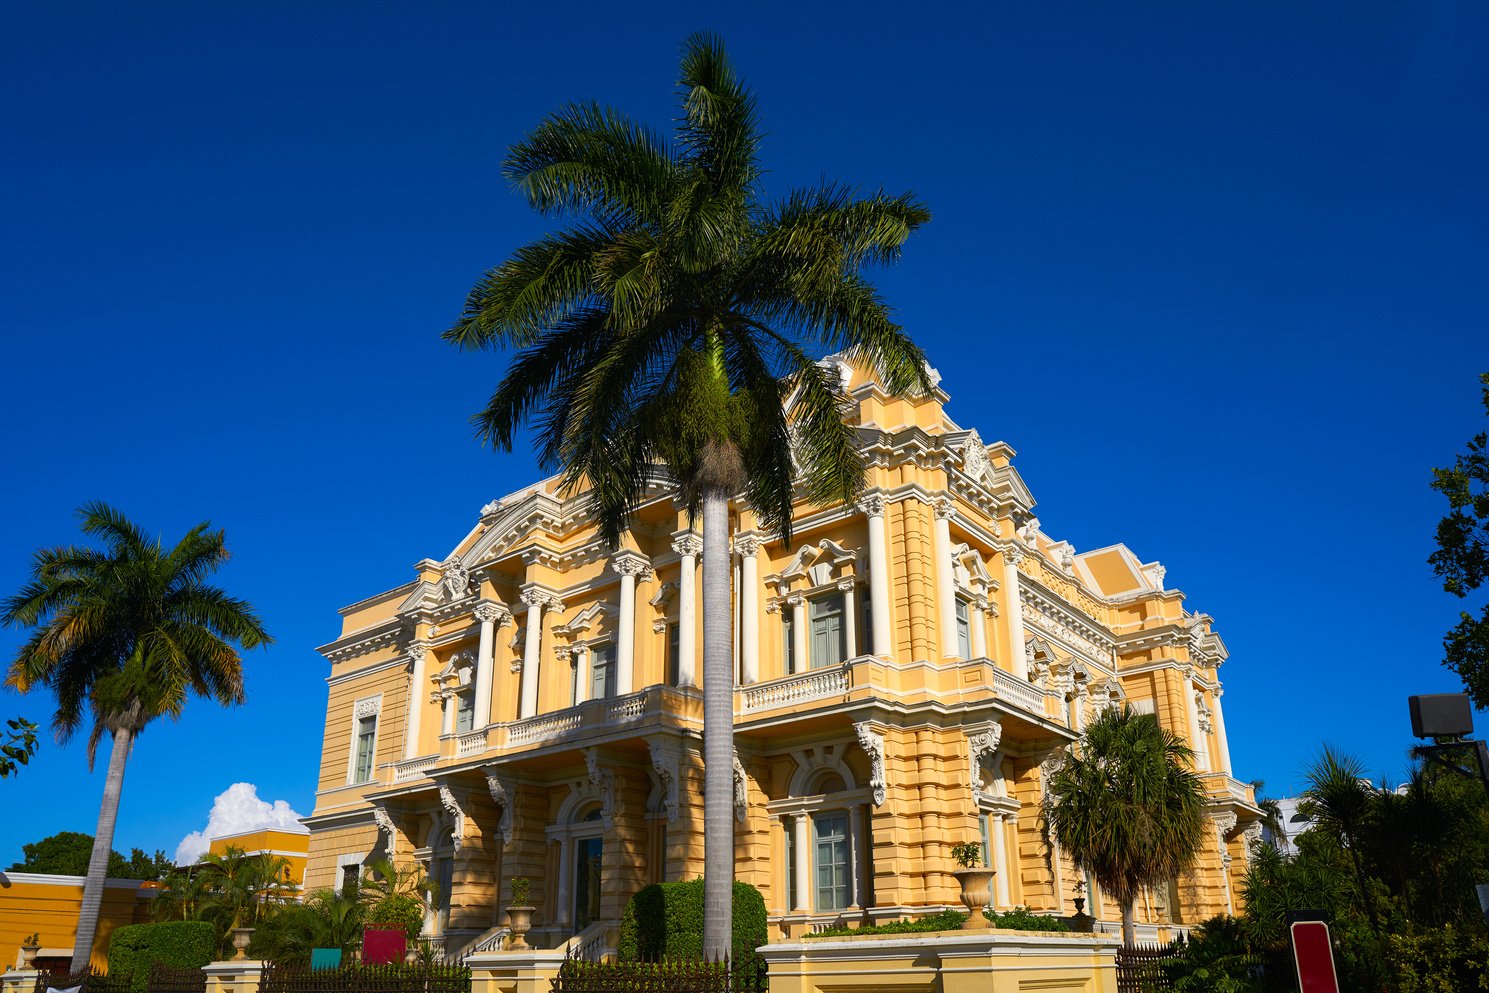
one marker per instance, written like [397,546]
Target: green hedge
[134,948]
[1017,919]
[666,920]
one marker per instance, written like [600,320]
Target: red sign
[1314,955]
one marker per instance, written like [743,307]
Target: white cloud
[238,809]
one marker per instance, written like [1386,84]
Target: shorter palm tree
[327,919]
[1339,800]
[1272,818]
[1126,807]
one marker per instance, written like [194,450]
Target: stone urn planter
[977,887]
[241,937]
[522,922]
[28,956]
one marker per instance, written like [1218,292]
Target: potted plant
[29,948]
[391,923]
[520,913]
[976,881]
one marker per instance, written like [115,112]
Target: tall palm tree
[1126,807]
[122,635]
[674,324]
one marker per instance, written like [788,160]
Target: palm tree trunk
[718,729]
[1129,924]
[103,846]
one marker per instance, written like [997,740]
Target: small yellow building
[906,673]
[292,846]
[48,906]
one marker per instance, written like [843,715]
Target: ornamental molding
[1225,823]
[385,829]
[982,754]
[741,791]
[364,642]
[1013,555]
[872,505]
[457,816]
[505,796]
[537,596]
[455,578]
[369,706]
[872,742]
[1251,835]
[945,509]
[1066,625]
[490,510]
[666,759]
[747,546]
[975,461]
[820,565]
[488,612]
[603,780]
[691,544]
[631,564]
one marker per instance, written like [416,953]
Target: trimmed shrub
[134,948]
[1024,919]
[665,920]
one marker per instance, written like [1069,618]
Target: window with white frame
[830,860]
[465,712]
[601,671]
[828,645]
[674,657]
[363,758]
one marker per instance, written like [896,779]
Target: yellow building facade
[292,846]
[907,673]
[47,906]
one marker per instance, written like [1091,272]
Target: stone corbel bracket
[871,740]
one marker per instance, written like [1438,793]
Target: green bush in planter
[396,911]
[666,920]
[134,948]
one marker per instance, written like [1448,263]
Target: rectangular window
[601,671]
[674,659]
[865,622]
[963,629]
[351,879]
[465,712]
[828,639]
[987,848]
[790,903]
[366,736]
[832,861]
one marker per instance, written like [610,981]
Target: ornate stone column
[1221,744]
[802,825]
[1196,736]
[418,654]
[978,621]
[689,547]
[945,584]
[1012,556]
[749,609]
[489,614]
[630,566]
[873,508]
[536,600]
[850,618]
[799,659]
[1000,862]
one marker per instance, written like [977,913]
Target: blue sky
[1216,271]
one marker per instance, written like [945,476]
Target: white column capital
[871,505]
[688,544]
[491,612]
[944,507]
[747,545]
[632,564]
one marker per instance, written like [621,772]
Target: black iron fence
[395,978]
[676,975]
[162,978]
[1140,969]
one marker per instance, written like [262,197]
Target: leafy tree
[181,894]
[1462,558]
[672,325]
[122,634]
[66,853]
[1126,807]
[18,747]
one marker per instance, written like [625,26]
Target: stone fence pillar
[237,976]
